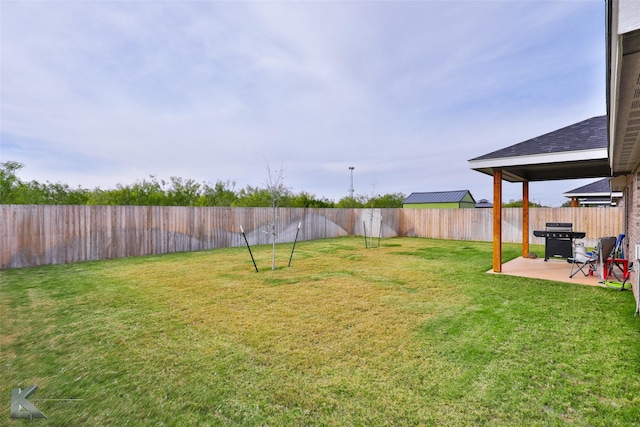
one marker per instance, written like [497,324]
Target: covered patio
[606,146]
[576,151]
[555,269]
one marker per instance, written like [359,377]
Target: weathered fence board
[42,234]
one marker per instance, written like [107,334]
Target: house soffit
[575,151]
[549,167]
[625,137]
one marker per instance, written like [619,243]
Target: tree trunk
[273,236]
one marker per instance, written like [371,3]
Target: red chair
[616,265]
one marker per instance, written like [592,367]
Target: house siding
[467,205]
[467,199]
[630,205]
[437,205]
[632,225]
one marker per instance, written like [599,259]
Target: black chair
[593,262]
[616,265]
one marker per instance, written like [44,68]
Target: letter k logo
[21,407]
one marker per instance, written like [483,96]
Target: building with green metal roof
[440,200]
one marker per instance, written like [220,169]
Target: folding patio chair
[603,252]
[582,261]
[593,261]
[618,250]
[616,264]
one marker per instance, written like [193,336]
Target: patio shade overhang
[547,167]
[596,193]
[575,151]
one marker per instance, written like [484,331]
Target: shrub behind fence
[33,235]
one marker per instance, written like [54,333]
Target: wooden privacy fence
[33,235]
[477,224]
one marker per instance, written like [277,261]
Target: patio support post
[497,220]
[525,219]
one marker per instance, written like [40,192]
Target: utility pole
[351,187]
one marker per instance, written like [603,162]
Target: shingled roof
[437,197]
[484,203]
[597,188]
[590,133]
[596,193]
[575,151]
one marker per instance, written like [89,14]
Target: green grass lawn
[412,333]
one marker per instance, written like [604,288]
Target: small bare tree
[277,190]
[371,202]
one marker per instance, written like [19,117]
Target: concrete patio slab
[554,269]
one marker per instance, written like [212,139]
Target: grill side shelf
[558,243]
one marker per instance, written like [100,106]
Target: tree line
[176,191]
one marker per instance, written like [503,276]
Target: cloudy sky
[96,93]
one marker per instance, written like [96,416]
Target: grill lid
[559,226]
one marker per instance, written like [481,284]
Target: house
[484,203]
[606,146]
[440,200]
[597,193]
[623,113]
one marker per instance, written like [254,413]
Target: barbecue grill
[558,239]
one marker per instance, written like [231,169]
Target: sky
[96,93]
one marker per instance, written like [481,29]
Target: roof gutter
[538,159]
